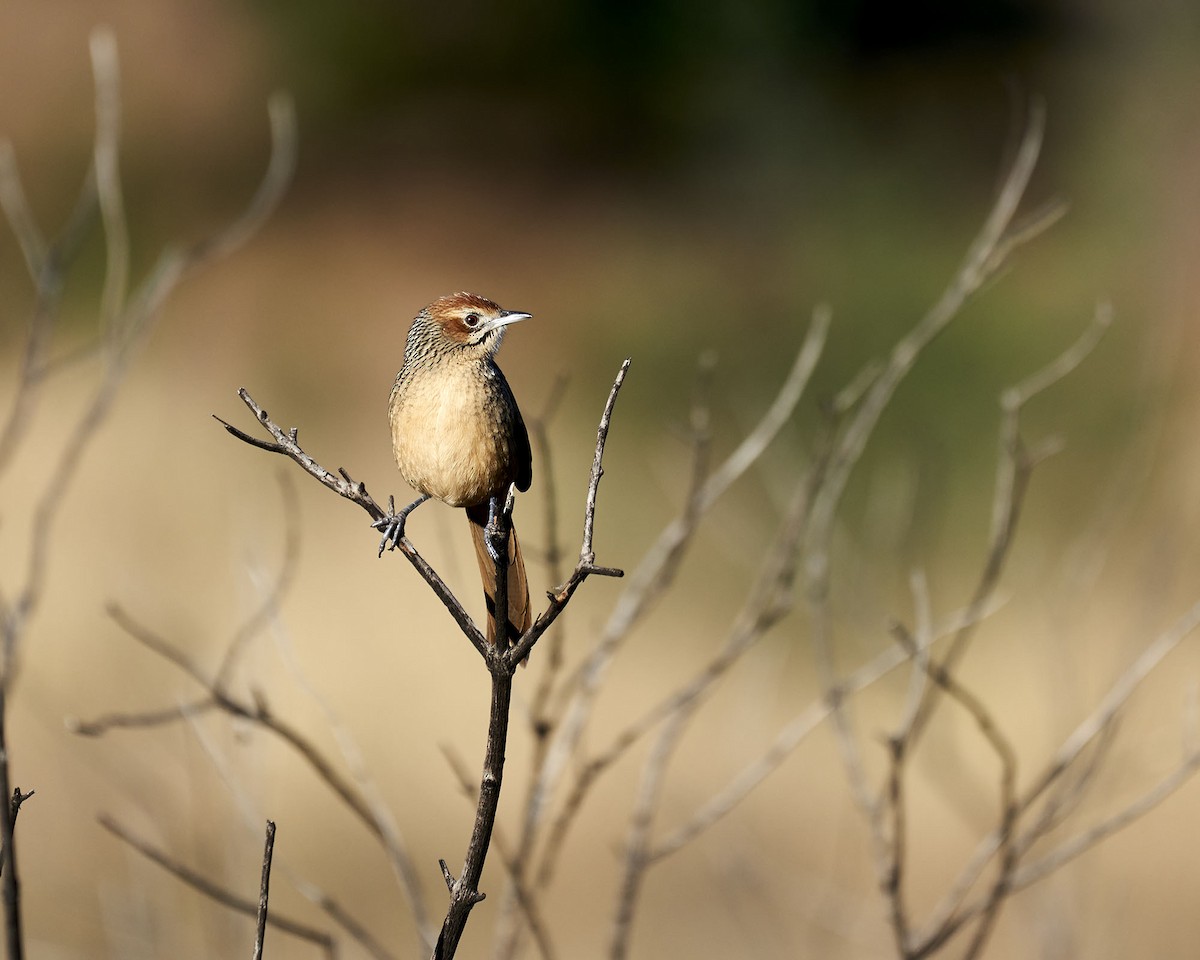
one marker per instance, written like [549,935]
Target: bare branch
[785,742]
[947,915]
[36,366]
[133,323]
[769,600]
[523,896]
[108,181]
[256,711]
[340,483]
[215,891]
[1009,810]
[14,808]
[156,643]
[251,816]
[541,717]
[1117,697]
[551,659]
[637,843]
[502,661]
[1047,864]
[1013,470]
[780,411]
[388,830]
[661,562]
[987,254]
[15,205]
[339,915]
[464,893]
[918,646]
[586,554]
[264,891]
[560,596]
[101,725]
[268,609]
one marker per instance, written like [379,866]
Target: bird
[458,435]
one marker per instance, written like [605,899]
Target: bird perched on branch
[458,436]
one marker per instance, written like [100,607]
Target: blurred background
[654,180]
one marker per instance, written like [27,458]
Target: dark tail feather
[519,615]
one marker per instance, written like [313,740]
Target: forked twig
[502,661]
[658,568]
[123,325]
[986,255]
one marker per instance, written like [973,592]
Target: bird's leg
[392,524]
[494,535]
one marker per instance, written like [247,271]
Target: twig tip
[103,45]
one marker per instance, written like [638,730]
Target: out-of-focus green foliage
[623,82]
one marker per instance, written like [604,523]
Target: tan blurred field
[183,527]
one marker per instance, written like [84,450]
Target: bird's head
[464,324]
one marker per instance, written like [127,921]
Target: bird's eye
[471,320]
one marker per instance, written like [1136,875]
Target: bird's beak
[511,316]
[497,324]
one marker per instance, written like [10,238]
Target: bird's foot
[392,523]
[495,536]
[392,527]
[495,539]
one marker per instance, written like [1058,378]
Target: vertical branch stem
[13,935]
[464,892]
[264,891]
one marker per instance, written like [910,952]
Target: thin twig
[389,834]
[502,661]
[1029,874]
[1118,695]
[1006,849]
[637,842]
[256,711]
[215,891]
[123,326]
[99,726]
[46,268]
[268,608]
[1069,850]
[135,320]
[590,770]
[286,444]
[986,255]
[560,596]
[14,807]
[1013,469]
[15,205]
[108,182]
[251,817]
[541,718]
[551,657]
[659,566]
[264,891]
[769,600]
[947,915]
[784,744]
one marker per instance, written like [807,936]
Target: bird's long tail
[519,616]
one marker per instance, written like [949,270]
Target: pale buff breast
[444,442]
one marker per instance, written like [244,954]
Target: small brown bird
[458,436]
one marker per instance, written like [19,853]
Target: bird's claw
[392,526]
[495,539]
[392,523]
